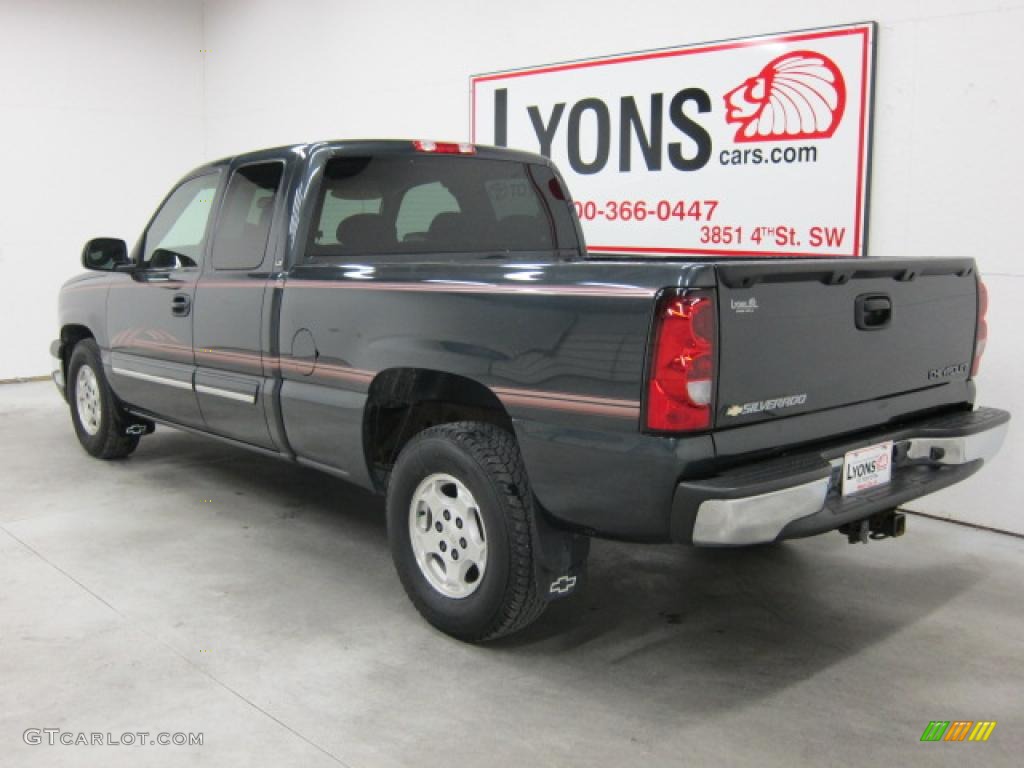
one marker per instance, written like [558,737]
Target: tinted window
[512,197]
[336,210]
[244,224]
[402,204]
[420,206]
[175,237]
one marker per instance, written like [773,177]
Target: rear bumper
[799,495]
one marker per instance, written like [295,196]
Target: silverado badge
[759,406]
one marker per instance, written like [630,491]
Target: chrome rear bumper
[757,519]
[799,495]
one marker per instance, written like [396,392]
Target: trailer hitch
[884,525]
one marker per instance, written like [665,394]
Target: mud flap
[560,559]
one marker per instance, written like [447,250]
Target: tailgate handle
[872,311]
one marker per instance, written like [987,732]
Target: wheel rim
[87,400]
[448,537]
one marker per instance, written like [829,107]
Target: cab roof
[370,146]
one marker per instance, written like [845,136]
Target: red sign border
[868,31]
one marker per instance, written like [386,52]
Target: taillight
[444,147]
[981,332]
[681,383]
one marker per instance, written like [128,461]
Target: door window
[244,223]
[177,233]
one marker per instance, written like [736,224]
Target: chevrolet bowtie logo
[562,584]
[734,410]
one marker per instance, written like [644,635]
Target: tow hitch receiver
[884,525]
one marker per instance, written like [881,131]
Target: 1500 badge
[758,406]
[947,371]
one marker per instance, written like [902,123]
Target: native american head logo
[800,95]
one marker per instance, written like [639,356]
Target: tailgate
[808,336]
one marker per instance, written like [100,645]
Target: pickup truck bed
[393,312]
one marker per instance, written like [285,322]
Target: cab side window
[244,223]
[176,236]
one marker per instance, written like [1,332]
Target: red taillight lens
[981,332]
[444,147]
[681,387]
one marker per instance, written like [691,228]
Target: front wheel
[98,418]
[460,513]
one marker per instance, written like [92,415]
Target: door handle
[180,305]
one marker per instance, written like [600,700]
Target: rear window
[400,204]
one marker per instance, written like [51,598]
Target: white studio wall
[135,94]
[100,112]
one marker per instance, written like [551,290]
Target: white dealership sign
[757,146]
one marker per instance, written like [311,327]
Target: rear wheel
[460,528]
[100,421]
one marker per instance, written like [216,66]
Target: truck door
[149,312]
[232,325]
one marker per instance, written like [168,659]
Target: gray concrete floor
[195,587]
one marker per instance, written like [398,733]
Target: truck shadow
[739,624]
[698,629]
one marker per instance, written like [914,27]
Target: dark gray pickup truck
[423,320]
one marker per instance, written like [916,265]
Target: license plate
[867,468]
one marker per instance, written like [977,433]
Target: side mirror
[106,254]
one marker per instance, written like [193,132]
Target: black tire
[486,460]
[106,438]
